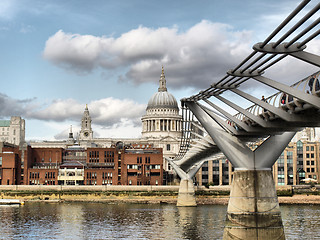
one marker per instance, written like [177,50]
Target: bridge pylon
[253,209]
[186,194]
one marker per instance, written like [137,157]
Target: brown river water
[88,220]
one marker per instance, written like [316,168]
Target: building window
[307,148]
[168,147]
[312,148]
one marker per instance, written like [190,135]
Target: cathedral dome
[162,98]
[162,117]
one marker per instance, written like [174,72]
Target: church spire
[70,132]
[162,82]
[86,130]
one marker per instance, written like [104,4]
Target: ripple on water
[136,221]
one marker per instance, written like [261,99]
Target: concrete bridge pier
[186,195]
[253,209]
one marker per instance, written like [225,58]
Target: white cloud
[105,112]
[123,129]
[13,107]
[194,57]
[108,113]
[111,111]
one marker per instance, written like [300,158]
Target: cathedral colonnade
[165,124]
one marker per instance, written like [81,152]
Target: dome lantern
[162,98]
[162,82]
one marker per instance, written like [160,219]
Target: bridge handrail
[275,99]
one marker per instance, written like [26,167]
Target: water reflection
[136,221]
[195,222]
[301,221]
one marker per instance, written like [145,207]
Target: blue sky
[59,55]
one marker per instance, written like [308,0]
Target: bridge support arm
[233,148]
[307,57]
[269,151]
[249,115]
[229,116]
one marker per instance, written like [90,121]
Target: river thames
[137,221]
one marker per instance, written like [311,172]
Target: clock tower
[86,132]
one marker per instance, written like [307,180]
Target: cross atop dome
[162,82]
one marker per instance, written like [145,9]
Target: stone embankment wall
[136,194]
[143,194]
[212,190]
[63,188]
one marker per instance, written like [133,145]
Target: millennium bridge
[212,132]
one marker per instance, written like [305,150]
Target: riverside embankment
[302,194]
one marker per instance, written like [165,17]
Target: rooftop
[4,123]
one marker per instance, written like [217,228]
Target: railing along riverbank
[299,189]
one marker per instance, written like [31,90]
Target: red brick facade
[79,166]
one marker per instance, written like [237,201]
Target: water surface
[136,221]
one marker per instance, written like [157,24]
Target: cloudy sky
[59,55]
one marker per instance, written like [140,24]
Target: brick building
[75,165]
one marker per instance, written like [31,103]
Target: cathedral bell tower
[86,132]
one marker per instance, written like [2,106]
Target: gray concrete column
[186,195]
[253,209]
